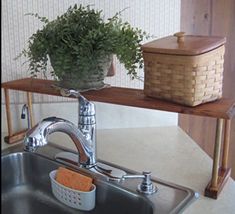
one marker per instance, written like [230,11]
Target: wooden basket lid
[180,44]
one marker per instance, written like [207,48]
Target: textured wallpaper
[157,17]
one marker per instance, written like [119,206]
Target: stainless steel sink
[26,189]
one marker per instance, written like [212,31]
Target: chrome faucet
[83,136]
[26,108]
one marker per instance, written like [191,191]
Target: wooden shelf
[223,108]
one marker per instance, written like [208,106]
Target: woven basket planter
[186,79]
[84,80]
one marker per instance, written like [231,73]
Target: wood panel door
[217,18]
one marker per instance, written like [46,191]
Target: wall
[108,116]
[158,18]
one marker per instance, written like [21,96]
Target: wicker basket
[185,79]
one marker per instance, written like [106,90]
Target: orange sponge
[73,179]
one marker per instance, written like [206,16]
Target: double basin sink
[26,188]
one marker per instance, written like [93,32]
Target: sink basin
[26,189]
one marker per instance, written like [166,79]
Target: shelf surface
[222,108]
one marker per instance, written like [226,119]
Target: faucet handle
[69,92]
[86,108]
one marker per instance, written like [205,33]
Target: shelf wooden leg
[8,111]
[219,174]
[216,157]
[15,137]
[227,130]
[29,100]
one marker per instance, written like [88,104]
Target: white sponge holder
[73,198]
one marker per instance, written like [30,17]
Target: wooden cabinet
[223,110]
[211,18]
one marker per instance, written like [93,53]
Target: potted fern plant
[80,45]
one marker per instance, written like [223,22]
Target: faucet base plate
[72,159]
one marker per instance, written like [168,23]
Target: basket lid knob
[180,37]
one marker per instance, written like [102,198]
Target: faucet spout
[38,136]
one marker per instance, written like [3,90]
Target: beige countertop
[169,154]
